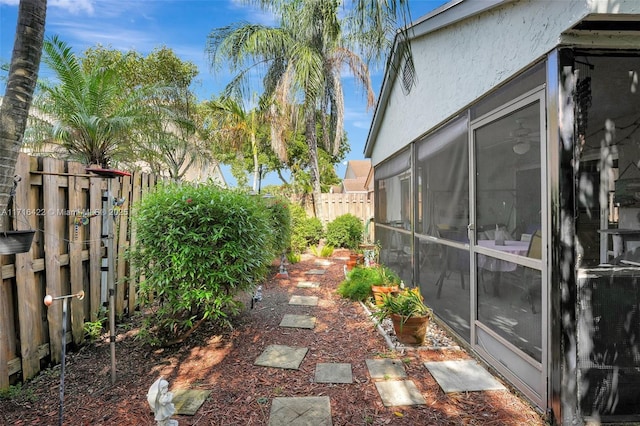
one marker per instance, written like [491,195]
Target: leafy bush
[345,231]
[305,231]
[281,223]
[197,247]
[358,282]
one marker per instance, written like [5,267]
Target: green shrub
[345,231]
[197,247]
[305,231]
[358,282]
[281,223]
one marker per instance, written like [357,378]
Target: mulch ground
[222,361]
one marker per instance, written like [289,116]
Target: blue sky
[182,25]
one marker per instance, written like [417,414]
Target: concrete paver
[279,356]
[298,321]
[188,401]
[308,284]
[462,376]
[316,272]
[384,369]
[399,392]
[304,300]
[332,372]
[301,411]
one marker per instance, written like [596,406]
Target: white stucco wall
[457,64]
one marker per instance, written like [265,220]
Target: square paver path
[304,300]
[331,372]
[279,356]
[462,376]
[316,272]
[399,392]
[300,411]
[323,262]
[298,321]
[308,284]
[384,369]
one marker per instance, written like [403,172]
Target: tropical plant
[197,248]
[237,129]
[93,116]
[345,231]
[408,303]
[305,57]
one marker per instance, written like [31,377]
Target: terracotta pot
[351,264]
[379,290]
[413,331]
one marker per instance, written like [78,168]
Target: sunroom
[507,186]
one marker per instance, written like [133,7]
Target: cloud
[73,6]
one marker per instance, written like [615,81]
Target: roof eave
[447,14]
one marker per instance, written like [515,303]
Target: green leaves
[198,247]
[345,231]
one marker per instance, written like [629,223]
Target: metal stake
[48,300]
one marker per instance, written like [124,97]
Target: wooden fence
[66,257]
[334,205]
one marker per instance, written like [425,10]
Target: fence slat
[30,310]
[75,252]
[95,248]
[136,193]
[52,252]
[121,220]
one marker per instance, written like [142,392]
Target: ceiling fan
[521,138]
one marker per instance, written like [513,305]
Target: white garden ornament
[160,400]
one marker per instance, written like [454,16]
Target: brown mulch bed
[241,393]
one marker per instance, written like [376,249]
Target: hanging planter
[12,242]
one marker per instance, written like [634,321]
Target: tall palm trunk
[312,143]
[23,74]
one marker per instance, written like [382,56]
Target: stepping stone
[384,369]
[304,300]
[279,356]
[331,372]
[300,411]
[298,321]
[188,401]
[323,262]
[308,284]
[316,272]
[462,376]
[399,392]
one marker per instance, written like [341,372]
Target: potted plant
[386,282]
[410,316]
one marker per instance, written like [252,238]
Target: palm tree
[303,59]
[236,128]
[93,116]
[21,83]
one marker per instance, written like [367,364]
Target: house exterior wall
[457,64]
